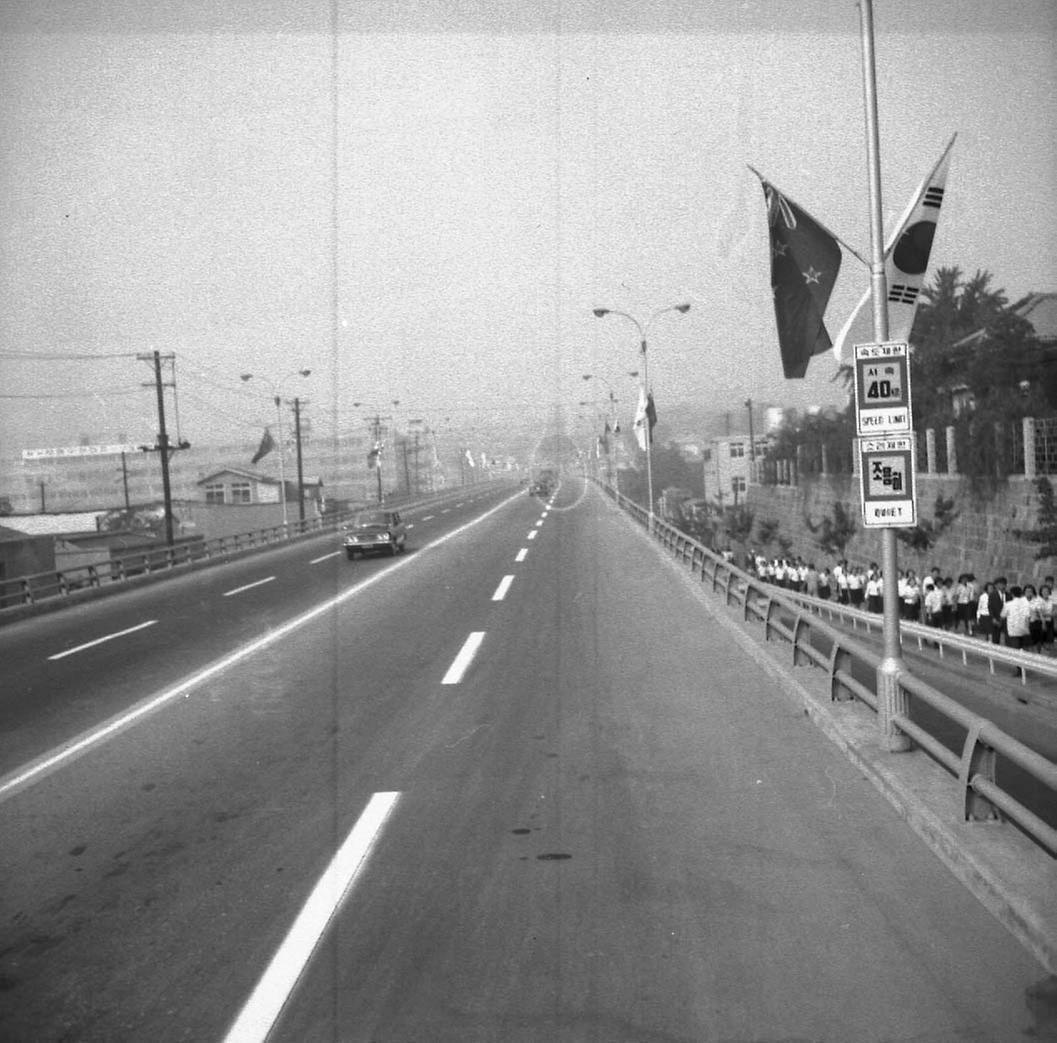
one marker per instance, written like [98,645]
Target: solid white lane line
[504,586]
[532,535]
[35,770]
[249,586]
[464,658]
[522,554]
[267,1000]
[100,640]
[332,554]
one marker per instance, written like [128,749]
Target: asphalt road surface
[513,785]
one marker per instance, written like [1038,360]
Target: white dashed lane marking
[265,1004]
[504,586]
[465,657]
[248,586]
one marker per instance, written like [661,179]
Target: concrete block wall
[980,540]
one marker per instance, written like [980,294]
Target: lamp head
[682,308]
[304,372]
[246,376]
[599,312]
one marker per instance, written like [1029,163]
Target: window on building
[215,493]
[736,450]
[241,492]
[737,485]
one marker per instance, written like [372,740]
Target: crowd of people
[1014,615]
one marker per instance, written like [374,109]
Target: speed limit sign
[882,388]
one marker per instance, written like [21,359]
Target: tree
[953,308]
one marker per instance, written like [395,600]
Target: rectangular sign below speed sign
[886,470]
[882,388]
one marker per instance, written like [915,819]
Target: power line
[65,357]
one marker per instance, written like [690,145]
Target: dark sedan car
[381,531]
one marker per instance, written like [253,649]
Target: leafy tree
[833,533]
[953,307]
[925,534]
[1045,533]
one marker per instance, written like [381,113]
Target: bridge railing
[67,583]
[831,648]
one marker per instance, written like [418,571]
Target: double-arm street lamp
[276,389]
[643,330]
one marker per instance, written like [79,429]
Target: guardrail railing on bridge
[830,648]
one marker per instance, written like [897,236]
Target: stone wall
[980,539]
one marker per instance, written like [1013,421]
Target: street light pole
[601,313]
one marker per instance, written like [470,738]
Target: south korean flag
[906,264]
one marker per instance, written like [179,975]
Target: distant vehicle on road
[544,483]
[377,530]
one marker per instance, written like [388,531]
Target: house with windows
[233,485]
[728,469]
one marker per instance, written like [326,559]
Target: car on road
[375,531]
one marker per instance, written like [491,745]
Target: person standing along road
[996,599]
[1017,614]
[984,622]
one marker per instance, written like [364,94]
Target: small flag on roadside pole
[645,414]
[805,260]
[266,446]
[906,264]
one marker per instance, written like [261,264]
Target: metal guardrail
[789,618]
[66,583]
[943,643]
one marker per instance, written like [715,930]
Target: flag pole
[891,699]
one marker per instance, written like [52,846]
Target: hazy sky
[426,204]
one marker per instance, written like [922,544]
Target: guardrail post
[799,659]
[840,661]
[767,619]
[978,760]
[27,592]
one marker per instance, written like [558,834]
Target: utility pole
[752,443]
[162,446]
[124,482]
[378,453]
[300,469]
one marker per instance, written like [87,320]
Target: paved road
[603,824]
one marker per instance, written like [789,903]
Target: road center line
[522,554]
[248,586]
[464,658]
[332,554]
[532,534]
[100,640]
[267,1000]
[504,586]
[429,517]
